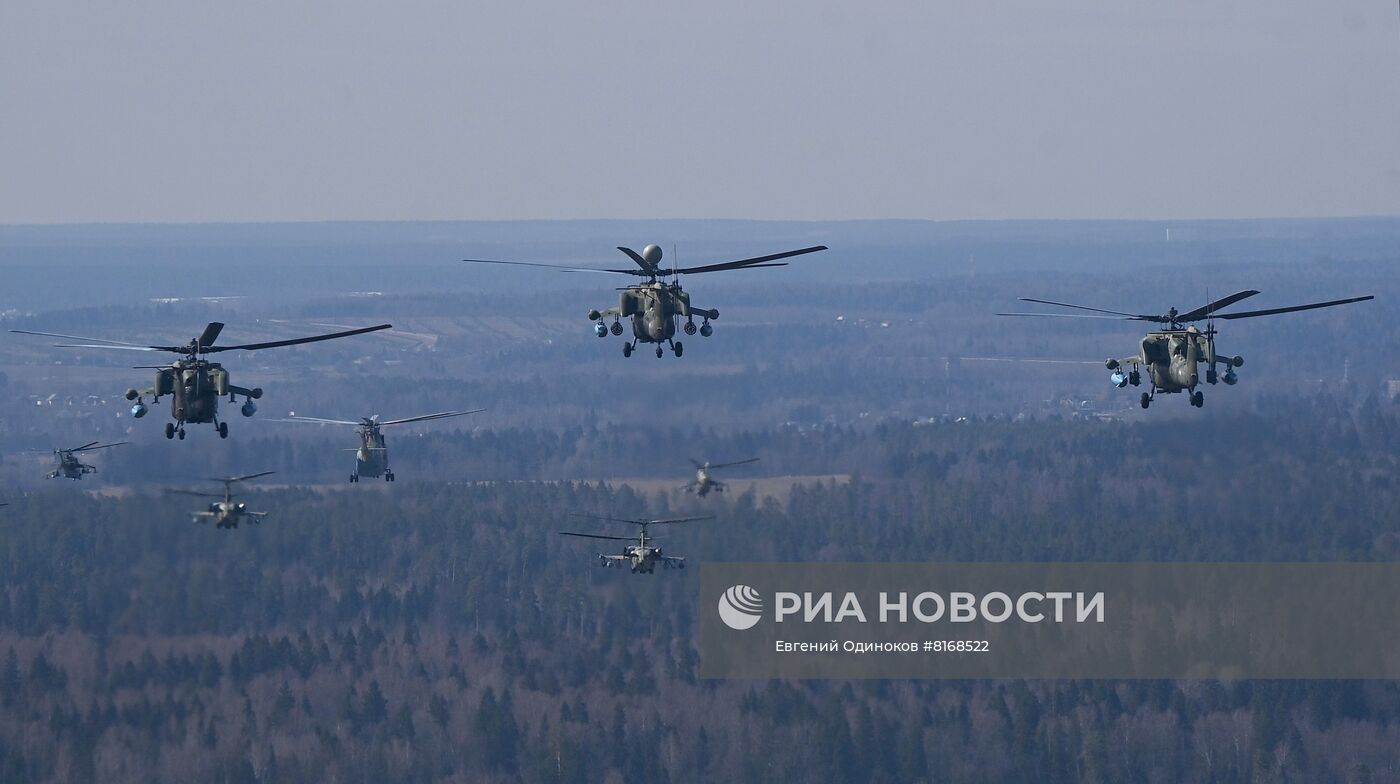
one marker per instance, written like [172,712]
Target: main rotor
[199,346]
[648,263]
[642,523]
[1176,320]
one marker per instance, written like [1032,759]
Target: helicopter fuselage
[1171,358]
[225,514]
[653,308]
[642,558]
[194,387]
[372,458]
[70,467]
[704,483]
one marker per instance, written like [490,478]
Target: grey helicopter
[68,466]
[643,556]
[655,304]
[194,383]
[1172,355]
[372,456]
[703,484]
[225,512]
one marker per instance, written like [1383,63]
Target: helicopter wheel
[678,348]
[169,430]
[1146,400]
[389,476]
[626,349]
[223,430]
[354,478]
[1198,399]
[181,433]
[659,352]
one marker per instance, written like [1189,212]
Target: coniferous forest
[438,629]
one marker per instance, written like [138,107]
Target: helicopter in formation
[1171,356]
[703,484]
[194,383]
[372,457]
[642,557]
[225,512]
[67,464]
[654,305]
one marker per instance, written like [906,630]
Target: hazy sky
[289,111]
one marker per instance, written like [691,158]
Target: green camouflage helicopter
[643,556]
[67,464]
[654,305]
[1171,355]
[194,383]
[372,457]
[703,484]
[224,512]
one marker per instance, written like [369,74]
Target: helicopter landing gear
[1198,399]
[677,348]
[223,429]
[1145,400]
[659,352]
[181,433]
[169,429]
[354,478]
[626,349]
[388,476]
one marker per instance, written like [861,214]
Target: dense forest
[443,632]
[437,629]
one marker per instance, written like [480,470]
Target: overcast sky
[291,111]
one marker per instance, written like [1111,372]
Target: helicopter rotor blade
[426,417]
[1137,316]
[210,334]
[1075,315]
[169,491]
[231,480]
[118,348]
[647,267]
[599,536]
[1292,309]
[666,521]
[76,337]
[735,463]
[315,421]
[298,341]
[563,267]
[756,261]
[1207,310]
[93,446]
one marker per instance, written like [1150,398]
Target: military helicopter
[70,467]
[654,304]
[372,458]
[224,512]
[1172,354]
[641,557]
[194,383]
[704,483]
